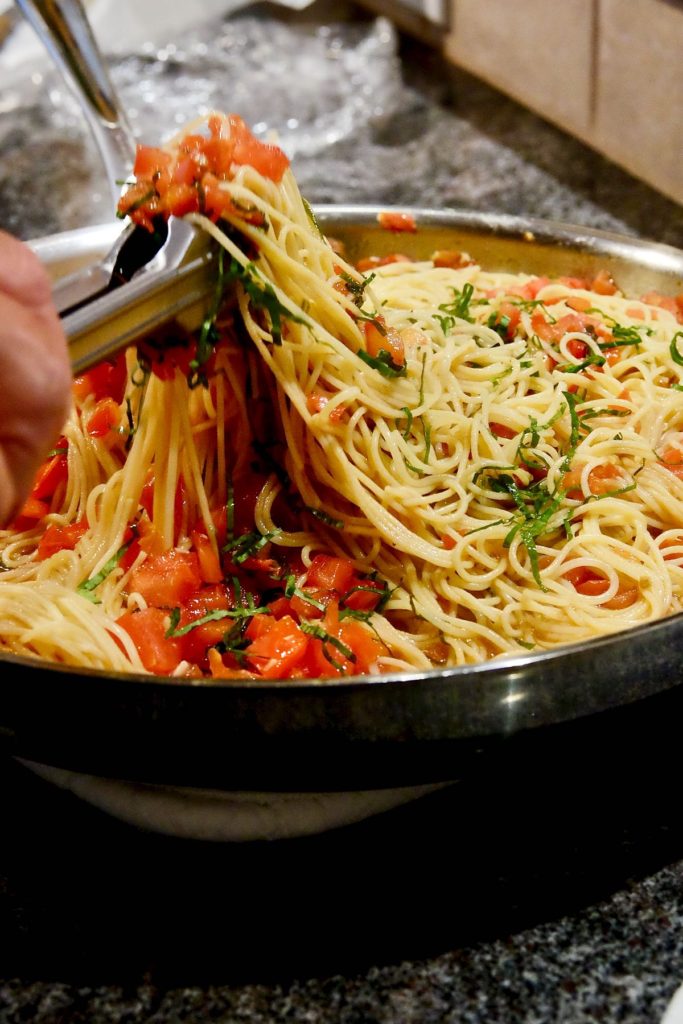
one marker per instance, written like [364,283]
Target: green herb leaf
[383,363]
[674,349]
[87,586]
[291,590]
[318,513]
[460,307]
[248,544]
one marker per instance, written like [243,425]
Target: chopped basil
[409,423]
[86,588]
[215,615]
[325,518]
[357,288]
[383,363]
[499,324]
[311,216]
[460,306]
[313,629]
[592,360]
[291,590]
[428,441]
[248,544]
[262,294]
[674,349]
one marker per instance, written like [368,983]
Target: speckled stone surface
[519,898]
[529,900]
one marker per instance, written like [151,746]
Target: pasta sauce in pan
[351,469]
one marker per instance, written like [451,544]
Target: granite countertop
[496,900]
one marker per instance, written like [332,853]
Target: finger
[22,275]
[36,394]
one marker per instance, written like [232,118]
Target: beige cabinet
[610,71]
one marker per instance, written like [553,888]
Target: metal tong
[145,280]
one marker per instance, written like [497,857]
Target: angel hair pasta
[351,469]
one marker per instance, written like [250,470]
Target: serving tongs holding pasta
[148,278]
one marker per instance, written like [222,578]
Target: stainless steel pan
[364,733]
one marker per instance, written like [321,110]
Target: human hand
[35,373]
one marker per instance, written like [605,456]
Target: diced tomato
[195,643]
[527,291]
[579,303]
[384,339]
[280,607]
[571,323]
[574,282]
[601,480]
[60,538]
[167,352]
[362,594]
[280,649]
[391,220]
[372,262]
[150,161]
[365,645]
[105,418]
[130,554]
[316,402]
[150,539]
[219,670]
[168,580]
[51,474]
[180,200]
[509,315]
[30,513]
[452,259]
[260,625]
[219,152]
[578,349]
[603,283]
[209,563]
[327,572]
[591,584]
[267,159]
[672,459]
[147,628]
[106,380]
[501,430]
[325,659]
[667,302]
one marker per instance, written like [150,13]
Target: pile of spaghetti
[351,469]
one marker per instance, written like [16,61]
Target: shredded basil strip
[383,363]
[87,586]
[311,216]
[248,544]
[318,513]
[460,307]
[313,629]
[428,441]
[215,616]
[263,296]
[592,360]
[291,590]
[357,288]
[57,451]
[208,336]
[674,349]
[409,423]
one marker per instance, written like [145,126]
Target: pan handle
[63,27]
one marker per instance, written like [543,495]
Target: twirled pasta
[499,456]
